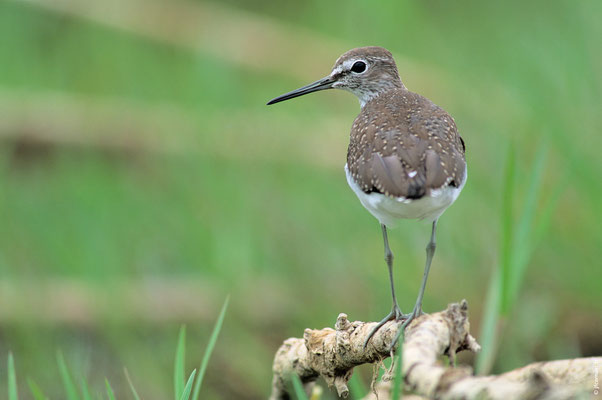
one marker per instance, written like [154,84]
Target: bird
[405,160]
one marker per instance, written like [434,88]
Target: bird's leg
[430,251]
[395,313]
[395,310]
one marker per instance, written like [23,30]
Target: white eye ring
[359,67]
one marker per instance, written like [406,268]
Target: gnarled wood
[333,353]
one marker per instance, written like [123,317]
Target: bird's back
[403,145]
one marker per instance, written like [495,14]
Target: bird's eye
[358,67]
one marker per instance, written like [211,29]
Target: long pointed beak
[324,83]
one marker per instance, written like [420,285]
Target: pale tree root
[333,353]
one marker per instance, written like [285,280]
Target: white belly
[389,210]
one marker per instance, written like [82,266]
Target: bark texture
[333,353]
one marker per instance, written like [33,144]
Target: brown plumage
[405,158]
[403,145]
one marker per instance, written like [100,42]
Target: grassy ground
[143,179]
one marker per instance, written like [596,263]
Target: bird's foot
[408,318]
[395,314]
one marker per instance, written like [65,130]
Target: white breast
[389,210]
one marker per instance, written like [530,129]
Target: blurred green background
[142,179]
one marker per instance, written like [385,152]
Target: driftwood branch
[333,353]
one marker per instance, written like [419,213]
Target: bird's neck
[366,95]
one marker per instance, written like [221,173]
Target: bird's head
[365,72]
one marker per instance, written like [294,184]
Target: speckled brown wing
[403,145]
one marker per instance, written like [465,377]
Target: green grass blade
[132,388]
[298,387]
[12,378]
[35,390]
[209,350]
[516,248]
[110,393]
[356,387]
[523,241]
[398,365]
[498,291]
[507,228]
[179,366]
[70,389]
[188,387]
[548,211]
[489,324]
[85,390]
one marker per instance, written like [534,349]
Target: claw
[402,327]
[395,314]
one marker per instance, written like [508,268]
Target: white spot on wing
[412,174]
